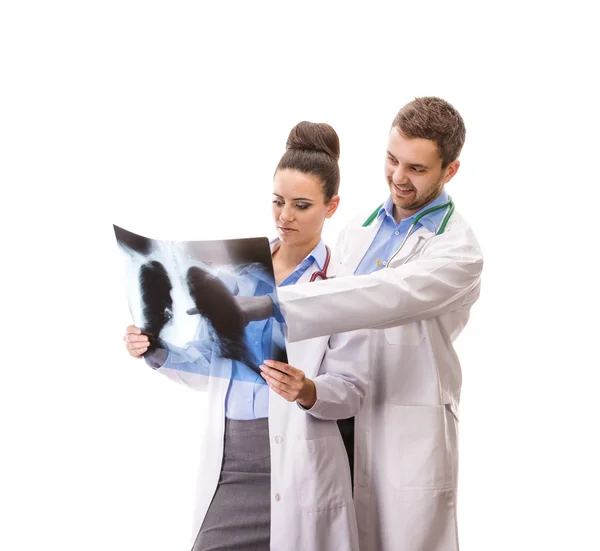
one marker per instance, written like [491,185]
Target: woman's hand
[136,343]
[290,383]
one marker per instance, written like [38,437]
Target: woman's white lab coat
[311,496]
[406,448]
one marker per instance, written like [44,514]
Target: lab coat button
[277,497]
[278,439]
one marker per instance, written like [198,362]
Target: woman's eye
[277,202]
[391,159]
[302,206]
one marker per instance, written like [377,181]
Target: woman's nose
[286,213]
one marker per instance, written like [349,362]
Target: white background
[168,118]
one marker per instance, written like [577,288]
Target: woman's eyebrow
[296,198]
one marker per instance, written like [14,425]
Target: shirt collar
[318,254]
[431,221]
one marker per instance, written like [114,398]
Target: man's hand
[253,308]
[290,383]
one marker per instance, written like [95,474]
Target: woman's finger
[277,375]
[137,345]
[286,395]
[285,368]
[287,392]
[129,337]
[272,382]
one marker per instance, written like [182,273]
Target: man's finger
[133,330]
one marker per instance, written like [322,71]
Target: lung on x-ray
[164,280]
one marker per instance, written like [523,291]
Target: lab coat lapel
[309,353]
[358,240]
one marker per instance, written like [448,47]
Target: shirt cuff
[157,358]
[276,310]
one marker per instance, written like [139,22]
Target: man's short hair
[433,119]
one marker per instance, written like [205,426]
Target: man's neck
[402,214]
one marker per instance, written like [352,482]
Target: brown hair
[314,148]
[433,119]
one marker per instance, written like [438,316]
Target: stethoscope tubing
[322,273]
[449,210]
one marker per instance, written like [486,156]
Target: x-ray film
[166,280]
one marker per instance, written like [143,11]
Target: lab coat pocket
[323,474]
[417,448]
[410,334]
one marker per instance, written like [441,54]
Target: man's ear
[451,170]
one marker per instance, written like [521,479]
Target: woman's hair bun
[314,136]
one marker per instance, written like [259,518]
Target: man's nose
[399,175]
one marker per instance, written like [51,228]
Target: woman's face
[299,208]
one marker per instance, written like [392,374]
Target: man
[415,267]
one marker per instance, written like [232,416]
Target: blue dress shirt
[250,400]
[390,234]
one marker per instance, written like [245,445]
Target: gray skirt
[239,516]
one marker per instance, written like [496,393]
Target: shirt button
[396,232]
[384,262]
[278,439]
[277,497]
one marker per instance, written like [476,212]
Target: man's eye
[418,170]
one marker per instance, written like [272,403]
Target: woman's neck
[287,257]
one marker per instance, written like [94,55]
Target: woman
[275,474]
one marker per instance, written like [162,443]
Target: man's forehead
[412,149]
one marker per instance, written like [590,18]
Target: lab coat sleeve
[343,377]
[189,365]
[444,277]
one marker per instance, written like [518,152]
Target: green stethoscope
[449,206]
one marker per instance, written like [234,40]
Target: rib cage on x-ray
[167,270]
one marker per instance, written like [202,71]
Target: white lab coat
[311,495]
[406,449]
